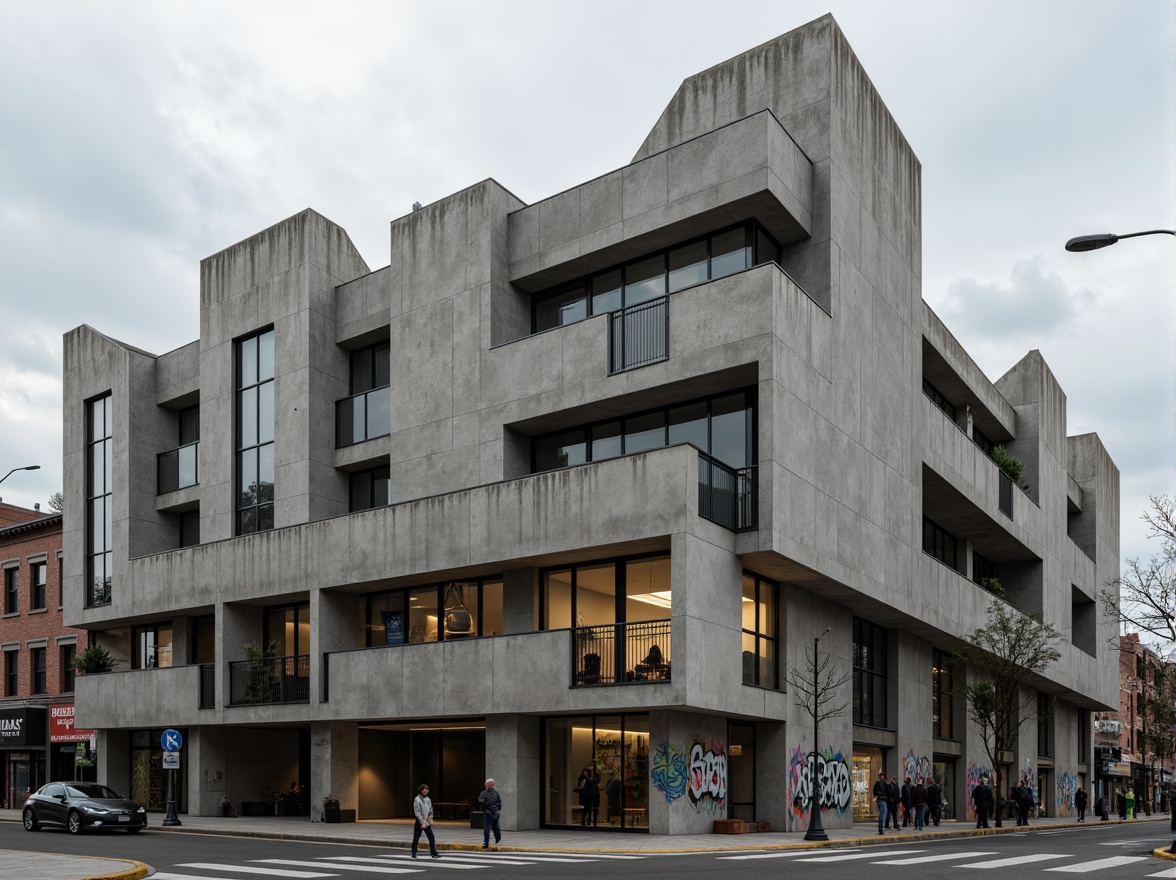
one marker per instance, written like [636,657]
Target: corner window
[151,646]
[869,674]
[255,433]
[761,652]
[38,575]
[99,500]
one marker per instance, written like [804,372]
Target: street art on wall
[669,771]
[975,771]
[707,777]
[918,769]
[1067,785]
[833,771]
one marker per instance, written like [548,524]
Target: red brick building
[37,737]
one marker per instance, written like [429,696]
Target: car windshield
[91,790]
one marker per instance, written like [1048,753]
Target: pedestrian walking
[1121,804]
[1130,804]
[1080,800]
[906,801]
[892,801]
[982,800]
[934,800]
[919,804]
[491,803]
[422,811]
[1023,800]
[1100,807]
[880,797]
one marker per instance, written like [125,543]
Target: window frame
[138,661]
[477,613]
[39,585]
[96,595]
[759,635]
[875,672]
[379,472]
[66,654]
[12,673]
[38,670]
[938,541]
[620,588]
[260,507]
[942,695]
[11,590]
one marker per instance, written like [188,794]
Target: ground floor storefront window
[597,771]
[868,762]
[148,779]
[944,770]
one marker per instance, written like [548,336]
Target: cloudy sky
[138,137]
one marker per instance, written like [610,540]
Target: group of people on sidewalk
[923,800]
[489,800]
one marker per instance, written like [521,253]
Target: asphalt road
[1102,852]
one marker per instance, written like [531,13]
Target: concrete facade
[831,339]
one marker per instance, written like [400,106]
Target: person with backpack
[934,800]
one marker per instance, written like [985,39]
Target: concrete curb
[137,871]
[1163,853]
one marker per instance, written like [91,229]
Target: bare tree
[1143,598]
[817,688]
[56,502]
[1004,655]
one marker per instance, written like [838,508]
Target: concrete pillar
[520,600]
[512,760]
[208,782]
[771,766]
[334,765]
[114,760]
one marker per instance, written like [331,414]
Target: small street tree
[1143,598]
[1003,656]
[1156,739]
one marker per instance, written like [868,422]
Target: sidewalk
[44,866]
[458,835]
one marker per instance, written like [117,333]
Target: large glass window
[99,500]
[942,707]
[597,769]
[648,277]
[255,433]
[11,592]
[179,468]
[722,426]
[606,593]
[38,580]
[455,610]
[869,674]
[289,626]
[366,413]
[760,631]
[151,646]
[940,543]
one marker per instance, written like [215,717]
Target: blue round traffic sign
[171,740]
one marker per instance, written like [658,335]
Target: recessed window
[255,433]
[939,400]
[190,528]
[370,488]
[68,653]
[366,413]
[942,707]
[11,592]
[99,500]
[760,631]
[940,543]
[10,674]
[869,673]
[38,580]
[454,610]
[37,668]
[151,646]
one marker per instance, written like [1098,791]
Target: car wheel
[30,820]
[74,822]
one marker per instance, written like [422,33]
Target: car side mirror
[62,798]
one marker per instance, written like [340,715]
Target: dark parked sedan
[81,805]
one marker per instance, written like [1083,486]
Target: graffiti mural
[975,771]
[669,771]
[835,777]
[707,777]
[918,769]
[1067,784]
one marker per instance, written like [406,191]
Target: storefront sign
[22,726]
[61,725]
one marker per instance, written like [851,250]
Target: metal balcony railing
[1006,495]
[728,496]
[639,335]
[621,653]
[178,468]
[207,686]
[270,680]
[363,416]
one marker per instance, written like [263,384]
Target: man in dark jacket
[906,801]
[1024,802]
[1080,801]
[892,801]
[982,800]
[934,799]
[1121,803]
[880,798]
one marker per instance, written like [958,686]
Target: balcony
[639,335]
[178,468]
[621,653]
[728,496]
[270,680]
[363,416]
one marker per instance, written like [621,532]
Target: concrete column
[207,775]
[334,765]
[912,711]
[520,599]
[114,759]
[512,760]
[771,766]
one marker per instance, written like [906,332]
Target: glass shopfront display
[868,762]
[597,770]
[944,770]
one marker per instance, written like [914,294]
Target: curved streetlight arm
[1106,239]
[27,467]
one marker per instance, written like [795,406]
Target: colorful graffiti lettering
[1067,785]
[669,771]
[975,771]
[918,769]
[707,778]
[835,779]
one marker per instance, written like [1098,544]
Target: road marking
[1097,864]
[783,854]
[269,872]
[469,860]
[1017,860]
[167,875]
[588,855]
[435,863]
[860,855]
[370,869]
[939,857]
[1135,842]
[1170,872]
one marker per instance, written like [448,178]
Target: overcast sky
[138,137]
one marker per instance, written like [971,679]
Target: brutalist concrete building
[566,490]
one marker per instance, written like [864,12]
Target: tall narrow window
[38,574]
[941,695]
[255,433]
[99,501]
[68,653]
[10,676]
[760,651]
[869,674]
[366,413]
[11,592]
[37,668]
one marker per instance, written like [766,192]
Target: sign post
[171,742]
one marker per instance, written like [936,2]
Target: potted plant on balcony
[262,683]
[94,659]
[1012,467]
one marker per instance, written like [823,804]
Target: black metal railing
[363,416]
[620,653]
[1006,495]
[728,496]
[178,468]
[639,335]
[270,680]
[207,685]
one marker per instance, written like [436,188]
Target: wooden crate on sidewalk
[730,826]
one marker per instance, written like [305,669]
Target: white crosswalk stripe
[860,855]
[1016,860]
[1129,842]
[367,869]
[937,857]
[444,862]
[243,869]
[782,854]
[1170,872]
[168,875]
[1097,865]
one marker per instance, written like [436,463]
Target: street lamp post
[1106,239]
[27,467]
[816,831]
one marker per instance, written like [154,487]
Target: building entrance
[395,759]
